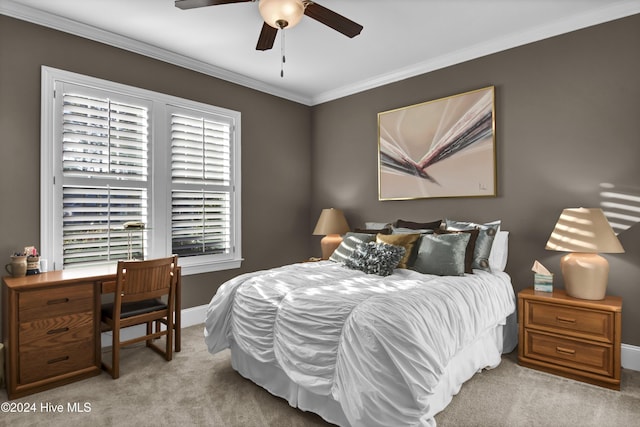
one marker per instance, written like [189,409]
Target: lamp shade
[584,230]
[331,221]
[281,13]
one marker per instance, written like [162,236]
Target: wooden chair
[140,287]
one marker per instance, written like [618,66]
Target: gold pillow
[407,241]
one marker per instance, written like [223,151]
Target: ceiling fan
[281,14]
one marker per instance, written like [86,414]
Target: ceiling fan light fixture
[281,13]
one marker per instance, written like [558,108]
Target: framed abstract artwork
[439,148]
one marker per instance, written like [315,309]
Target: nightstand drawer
[576,354]
[38,365]
[62,330]
[589,324]
[41,304]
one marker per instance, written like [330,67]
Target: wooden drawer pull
[565,319]
[58,359]
[57,301]
[563,350]
[57,331]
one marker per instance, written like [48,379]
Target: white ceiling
[401,38]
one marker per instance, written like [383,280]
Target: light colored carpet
[198,388]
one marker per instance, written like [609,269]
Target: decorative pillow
[400,230]
[375,258]
[408,241]
[499,251]
[432,225]
[442,254]
[348,245]
[468,255]
[484,242]
[377,225]
[373,230]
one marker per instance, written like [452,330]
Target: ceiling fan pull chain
[282,52]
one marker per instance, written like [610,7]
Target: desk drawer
[38,365]
[575,354]
[45,333]
[54,302]
[588,324]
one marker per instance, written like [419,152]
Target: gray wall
[275,132]
[567,122]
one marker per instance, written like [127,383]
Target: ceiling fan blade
[267,37]
[192,4]
[332,19]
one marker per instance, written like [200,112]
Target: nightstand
[574,338]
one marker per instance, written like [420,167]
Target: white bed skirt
[485,352]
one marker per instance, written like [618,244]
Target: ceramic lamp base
[330,243]
[585,275]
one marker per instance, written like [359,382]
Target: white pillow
[499,251]
[401,230]
[376,225]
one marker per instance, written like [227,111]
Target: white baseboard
[193,316]
[630,355]
[190,316]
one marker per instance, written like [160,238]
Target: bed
[363,349]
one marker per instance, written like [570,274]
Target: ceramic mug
[44,265]
[18,266]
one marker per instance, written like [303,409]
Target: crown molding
[606,13]
[25,13]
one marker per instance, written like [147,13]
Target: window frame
[159,164]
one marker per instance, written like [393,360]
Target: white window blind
[200,223]
[201,185]
[112,154]
[93,219]
[103,138]
[199,151]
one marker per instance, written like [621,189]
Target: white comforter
[377,345]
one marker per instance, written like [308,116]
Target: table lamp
[584,233]
[331,225]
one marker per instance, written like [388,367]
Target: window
[114,157]
[104,179]
[200,185]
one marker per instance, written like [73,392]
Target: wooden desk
[51,327]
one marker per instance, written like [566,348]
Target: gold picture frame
[439,148]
